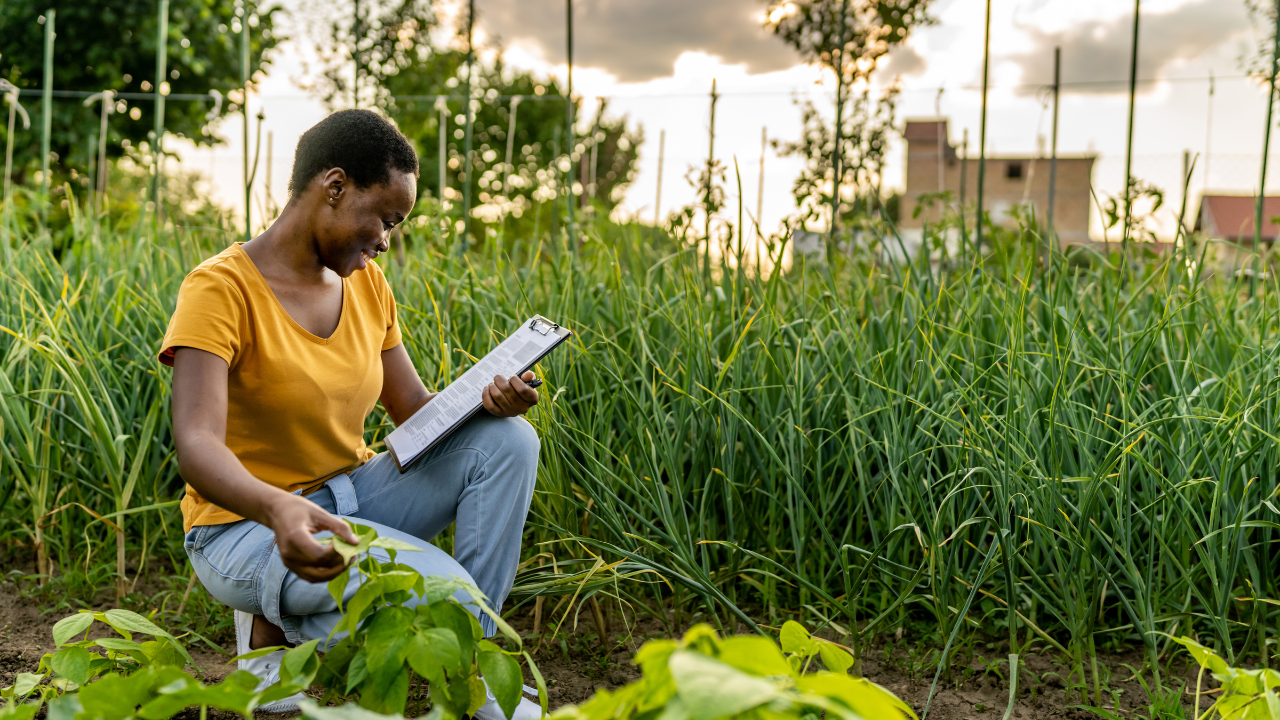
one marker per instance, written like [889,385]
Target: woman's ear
[334,184]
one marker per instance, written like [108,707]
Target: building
[1230,218]
[933,166]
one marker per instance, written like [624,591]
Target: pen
[534,382]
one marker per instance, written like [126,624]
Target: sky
[655,61]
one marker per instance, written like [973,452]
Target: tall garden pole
[244,84]
[467,165]
[1208,135]
[568,110]
[162,86]
[1266,147]
[1128,146]
[706,190]
[442,109]
[764,143]
[511,145]
[982,126]
[1053,146]
[657,200]
[835,157]
[46,105]
[11,95]
[355,55]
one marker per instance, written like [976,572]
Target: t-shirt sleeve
[389,314]
[210,316]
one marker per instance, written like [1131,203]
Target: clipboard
[461,400]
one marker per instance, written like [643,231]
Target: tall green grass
[965,448]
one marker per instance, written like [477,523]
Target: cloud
[639,40]
[1097,51]
[902,61]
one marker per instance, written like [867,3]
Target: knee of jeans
[515,438]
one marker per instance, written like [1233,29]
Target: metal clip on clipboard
[542,325]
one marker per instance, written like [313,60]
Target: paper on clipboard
[462,398]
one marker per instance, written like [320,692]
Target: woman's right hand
[295,519]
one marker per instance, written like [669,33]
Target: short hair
[364,144]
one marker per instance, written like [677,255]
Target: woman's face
[355,222]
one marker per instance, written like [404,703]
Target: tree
[847,37]
[407,62]
[111,44]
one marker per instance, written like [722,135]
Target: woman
[280,348]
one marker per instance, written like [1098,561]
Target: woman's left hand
[509,397]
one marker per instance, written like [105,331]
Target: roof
[1230,217]
[926,130]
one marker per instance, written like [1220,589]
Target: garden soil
[576,664]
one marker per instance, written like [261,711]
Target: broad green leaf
[387,638]
[432,653]
[1203,655]
[502,673]
[796,640]
[73,664]
[360,602]
[356,672]
[479,695]
[860,695]
[71,626]
[348,711]
[25,711]
[133,622]
[300,664]
[453,617]
[754,655]
[365,536]
[65,707]
[385,690]
[24,683]
[835,658]
[387,543]
[114,697]
[338,588]
[712,689]
[436,588]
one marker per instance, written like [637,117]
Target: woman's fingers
[525,394]
[337,526]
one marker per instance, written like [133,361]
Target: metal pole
[764,143]
[1128,146]
[964,175]
[937,111]
[836,169]
[1208,136]
[568,110]
[355,54]
[1053,146]
[441,109]
[466,150]
[1266,147]
[46,105]
[107,97]
[244,80]
[511,140]
[982,127]
[706,196]
[162,58]
[657,201]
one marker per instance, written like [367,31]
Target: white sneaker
[266,668]
[525,709]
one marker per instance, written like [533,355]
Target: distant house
[1230,218]
[934,166]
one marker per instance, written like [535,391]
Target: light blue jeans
[481,476]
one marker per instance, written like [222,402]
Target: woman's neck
[287,249]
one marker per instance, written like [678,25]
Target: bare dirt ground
[576,663]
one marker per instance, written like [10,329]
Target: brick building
[1011,180]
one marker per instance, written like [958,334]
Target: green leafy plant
[704,677]
[1245,694]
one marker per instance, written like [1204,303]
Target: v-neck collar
[342,316]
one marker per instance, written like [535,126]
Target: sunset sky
[655,60]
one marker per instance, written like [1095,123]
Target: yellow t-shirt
[296,403]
